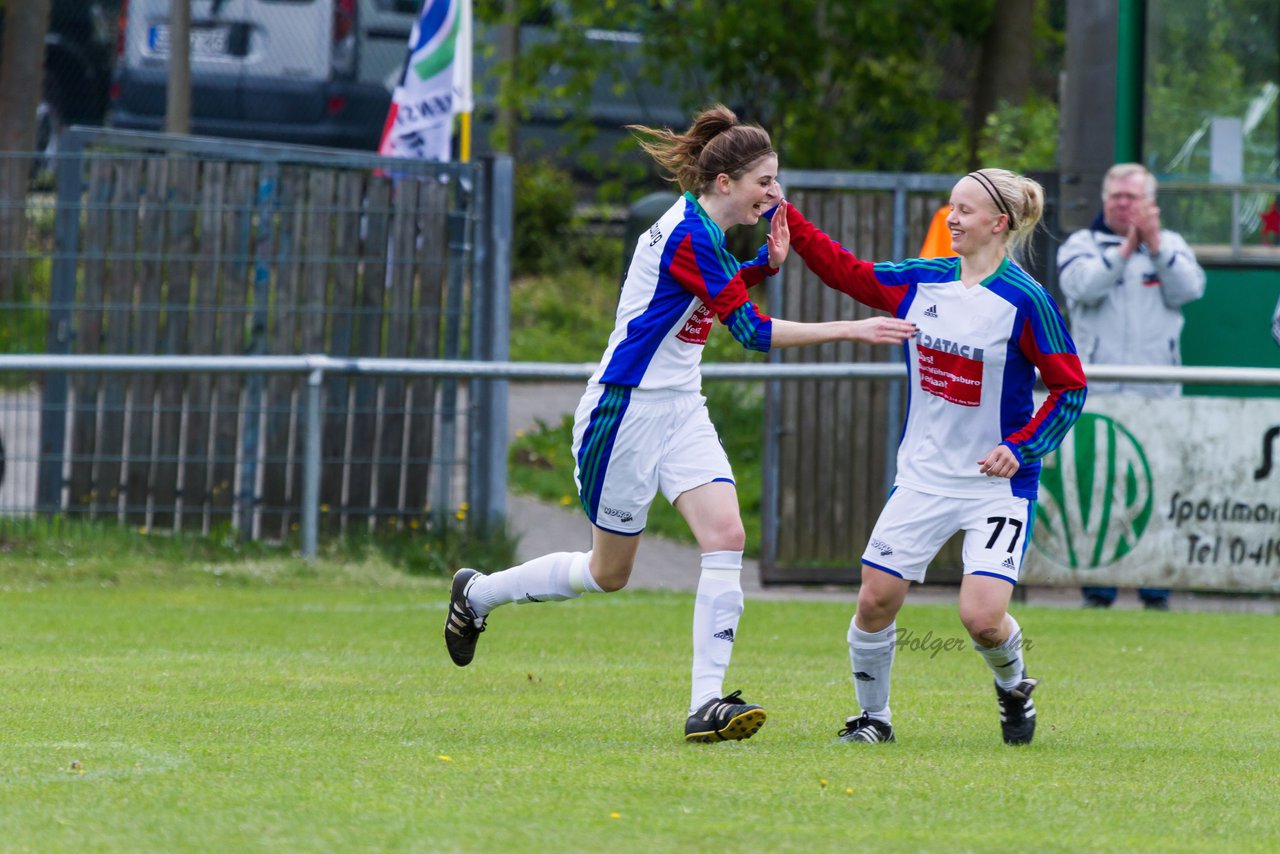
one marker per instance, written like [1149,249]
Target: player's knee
[609,575]
[874,612]
[984,628]
[612,584]
[611,578]
[726,535]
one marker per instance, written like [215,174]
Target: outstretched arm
[873,330]
[839,268]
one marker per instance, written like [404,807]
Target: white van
[317,72]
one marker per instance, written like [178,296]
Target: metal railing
[1195,209]
[488,441]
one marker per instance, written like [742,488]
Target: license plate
[205,41]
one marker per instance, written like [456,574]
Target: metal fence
[830,445]
[166,247]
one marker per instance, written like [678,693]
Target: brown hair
[1020,198]
[715,143]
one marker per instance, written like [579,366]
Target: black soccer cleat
[865,729]
[1017,711]
[724,719]
[462,627]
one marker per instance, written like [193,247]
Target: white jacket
[1128,312]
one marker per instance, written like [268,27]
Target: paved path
[663,564]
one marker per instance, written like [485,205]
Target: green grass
[565,317]
[79,550]
[267,705]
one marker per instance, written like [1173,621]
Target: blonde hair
[1125,170]
[1019,198]
[715,143]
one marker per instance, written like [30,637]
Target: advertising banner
[1163,492]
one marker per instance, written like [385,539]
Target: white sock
[550,578]
[716,611]
[871,654]
[1005,660]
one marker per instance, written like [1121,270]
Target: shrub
[544,206]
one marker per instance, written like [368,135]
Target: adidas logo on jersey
[1008,563]
[931,311]
[726,635]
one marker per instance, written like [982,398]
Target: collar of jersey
[985,283]
[706,217]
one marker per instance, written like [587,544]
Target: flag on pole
[435,86]
[463,97]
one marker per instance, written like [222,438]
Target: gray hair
[1126,170]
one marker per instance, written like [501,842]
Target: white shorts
[629,443]
[913,526]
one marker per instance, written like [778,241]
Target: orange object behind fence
[937,241]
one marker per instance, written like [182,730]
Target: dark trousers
[1146,594]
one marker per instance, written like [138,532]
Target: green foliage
[543,211]
[872,85]
[320,712]
[26,326]
[564,317]
[1210,58]
[559,67]
[550,233]
[1022,138]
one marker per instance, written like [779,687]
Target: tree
[842,85]
[873,85]
[1004,66]
[21,82]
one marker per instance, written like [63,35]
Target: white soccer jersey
[972,367]
[681,277]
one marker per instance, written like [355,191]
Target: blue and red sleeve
[1047,345]
[711,274]
[756,270]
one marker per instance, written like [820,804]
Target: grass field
[269,705]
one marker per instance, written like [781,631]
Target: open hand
[1146,222]
[779,239]
[1131,241]
[881,330]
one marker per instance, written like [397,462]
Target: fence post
[66,239]
[457,233]
[264,250]
[771,460]
[491,293]
[311,465]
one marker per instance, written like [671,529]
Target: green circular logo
[1095,495]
